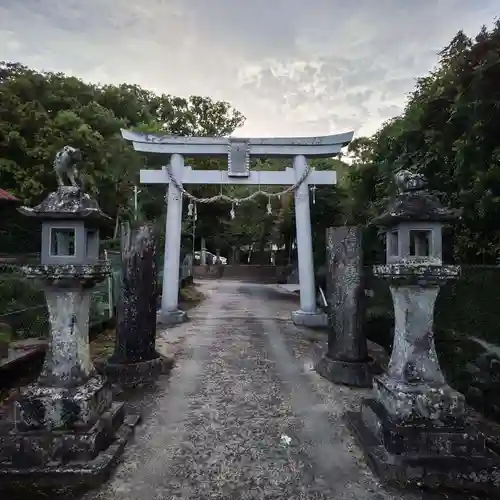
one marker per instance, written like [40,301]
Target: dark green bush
[16,292]
[469,306]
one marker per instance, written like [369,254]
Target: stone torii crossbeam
[238,152]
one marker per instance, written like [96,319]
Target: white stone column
[308,314]
[169,312]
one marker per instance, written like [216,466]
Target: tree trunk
[136,308]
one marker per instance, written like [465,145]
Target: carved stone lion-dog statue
[65,165]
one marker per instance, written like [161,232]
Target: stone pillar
[414,318]
[67,360]
[414,385]
[308,314]
[203,253]
[346,361]
[68,390]
[135,359]
[169,313]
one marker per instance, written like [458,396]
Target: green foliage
[18,293]
[465,308]
[5,333]
[42,112]
[448,132]
[468,306]
[326,205]
[22,305]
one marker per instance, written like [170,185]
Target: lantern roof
[414,203]
[67,203]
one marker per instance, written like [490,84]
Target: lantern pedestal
[425,452]
[65,430]
[415,400]
[65,427]
[416,430]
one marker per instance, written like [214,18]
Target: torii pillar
[238,152]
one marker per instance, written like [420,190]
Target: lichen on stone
[67,202]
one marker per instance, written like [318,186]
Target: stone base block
[53,408]
[430,454]
[413,401]
[316,319]
[171,318]
[350,373]
[58,459]
[133,374]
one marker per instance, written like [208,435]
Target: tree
[448,132]
[40,112]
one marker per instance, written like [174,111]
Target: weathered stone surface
[422,436]
[171,318]
[81,461]
[65,164]
[55,408]
[63,275]
[135,359]
[351,373]
[67,361]
[67,291]
[417,429]
[135,374]
[68,202]
[414,383]
[63,436]
[136,308]
[429,454]
[415,400]
[316,319]
[64,426]
[416,273]
[414,203]
[42,447]
[346,361]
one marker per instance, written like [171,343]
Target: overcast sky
[292,67]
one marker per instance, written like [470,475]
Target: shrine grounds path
[243,415]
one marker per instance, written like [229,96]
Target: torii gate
[238,151]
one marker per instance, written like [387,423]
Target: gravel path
[242,415]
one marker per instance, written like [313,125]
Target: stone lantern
[69,269]
[65,424]
[416,428]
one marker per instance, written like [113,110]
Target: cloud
[292,67]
